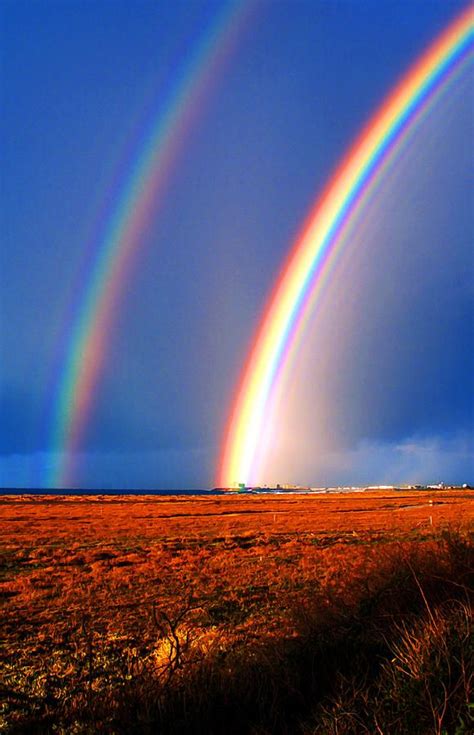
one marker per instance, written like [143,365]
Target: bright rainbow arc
[308,263]
[139,199]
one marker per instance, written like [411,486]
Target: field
[256,613]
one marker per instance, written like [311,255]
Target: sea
[193,491]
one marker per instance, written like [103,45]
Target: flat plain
[94,586]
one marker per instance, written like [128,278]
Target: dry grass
[342,614]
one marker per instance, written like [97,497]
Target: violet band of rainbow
[308,264]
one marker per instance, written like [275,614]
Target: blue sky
[384,389]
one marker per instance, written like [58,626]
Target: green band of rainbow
[305,272]
[140,198]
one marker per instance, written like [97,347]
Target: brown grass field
[255,613]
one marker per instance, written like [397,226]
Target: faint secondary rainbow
[309,263]
[139,198]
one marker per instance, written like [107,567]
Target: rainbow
[138,199]
[306,271]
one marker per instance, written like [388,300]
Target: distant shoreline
[230,491]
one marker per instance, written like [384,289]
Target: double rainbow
[139,199]
[308,266]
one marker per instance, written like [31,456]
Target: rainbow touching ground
[309,263]
[138,201]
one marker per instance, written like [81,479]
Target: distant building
[380,487]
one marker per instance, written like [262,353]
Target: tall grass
[389,653]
